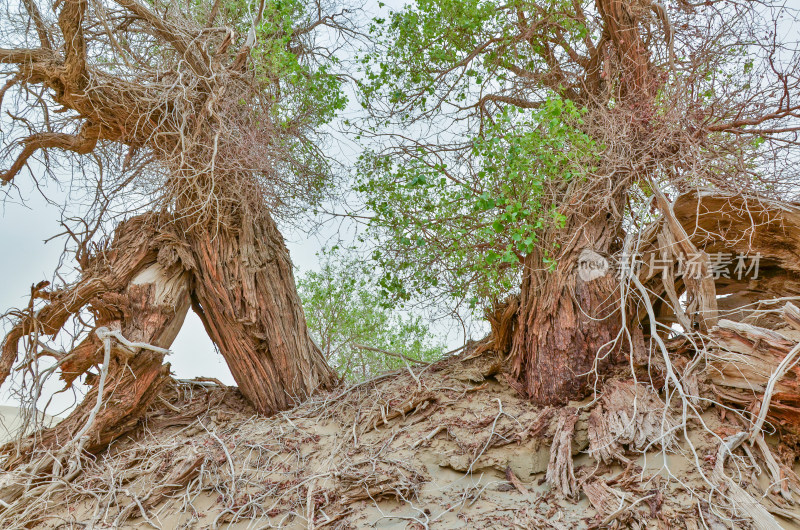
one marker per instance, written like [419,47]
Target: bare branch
[25,56]
[758,120]
[168,32]
[82,143]
[510,100]
[41,29]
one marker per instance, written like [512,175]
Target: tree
[520,141]
[357,333]
[213,110]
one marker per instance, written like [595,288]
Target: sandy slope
[452,446]
[10,421]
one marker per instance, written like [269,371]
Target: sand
[453,447]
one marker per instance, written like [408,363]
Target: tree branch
[510,100]
[41,29]
[70,20]
[241,57]
[82,143]
[738,124]
[389,353]
[23,56]
[167,32]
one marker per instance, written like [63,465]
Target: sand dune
[11,421]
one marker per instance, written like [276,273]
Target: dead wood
[756,328]
[741,501]
[730,226]
[560,473]
[629,415]
[514,481]
[744,359]
[376,480]
[605,499]
[313,465]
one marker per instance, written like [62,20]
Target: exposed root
[481,457]
[632,415]
[560,472]
[376,480]
[438,444]
[742,503]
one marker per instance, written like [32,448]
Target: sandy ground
[11,421]
[451,447]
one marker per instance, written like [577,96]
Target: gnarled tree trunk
[568,318]
[156,303]
[246,297]
[240,282]
[568,321]
[197,112]
[214,128]
[143,297]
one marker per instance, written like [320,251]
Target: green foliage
[460,203]
[344,312]
[308,87]
[451,51]
[298,84]
[467,228]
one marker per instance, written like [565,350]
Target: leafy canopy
[465,194]
[286,58]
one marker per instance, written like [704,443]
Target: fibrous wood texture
[758,326]
[246,297]
[566,324]
[139,296]
[185,101]
[566,332]
[141,286]
[631,415]
[745,358]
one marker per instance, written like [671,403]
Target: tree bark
[148,307]
[245,295]
[566,323]
[204,247]
[239,279]
[157,302]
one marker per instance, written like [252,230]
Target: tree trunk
[567,319]
[147,302]
[157,301]
[567,322]
[245,295]
[239,280]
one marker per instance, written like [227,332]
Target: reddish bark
[149,308]
[246,297]
[621,20]
[239,281]
[564,322]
